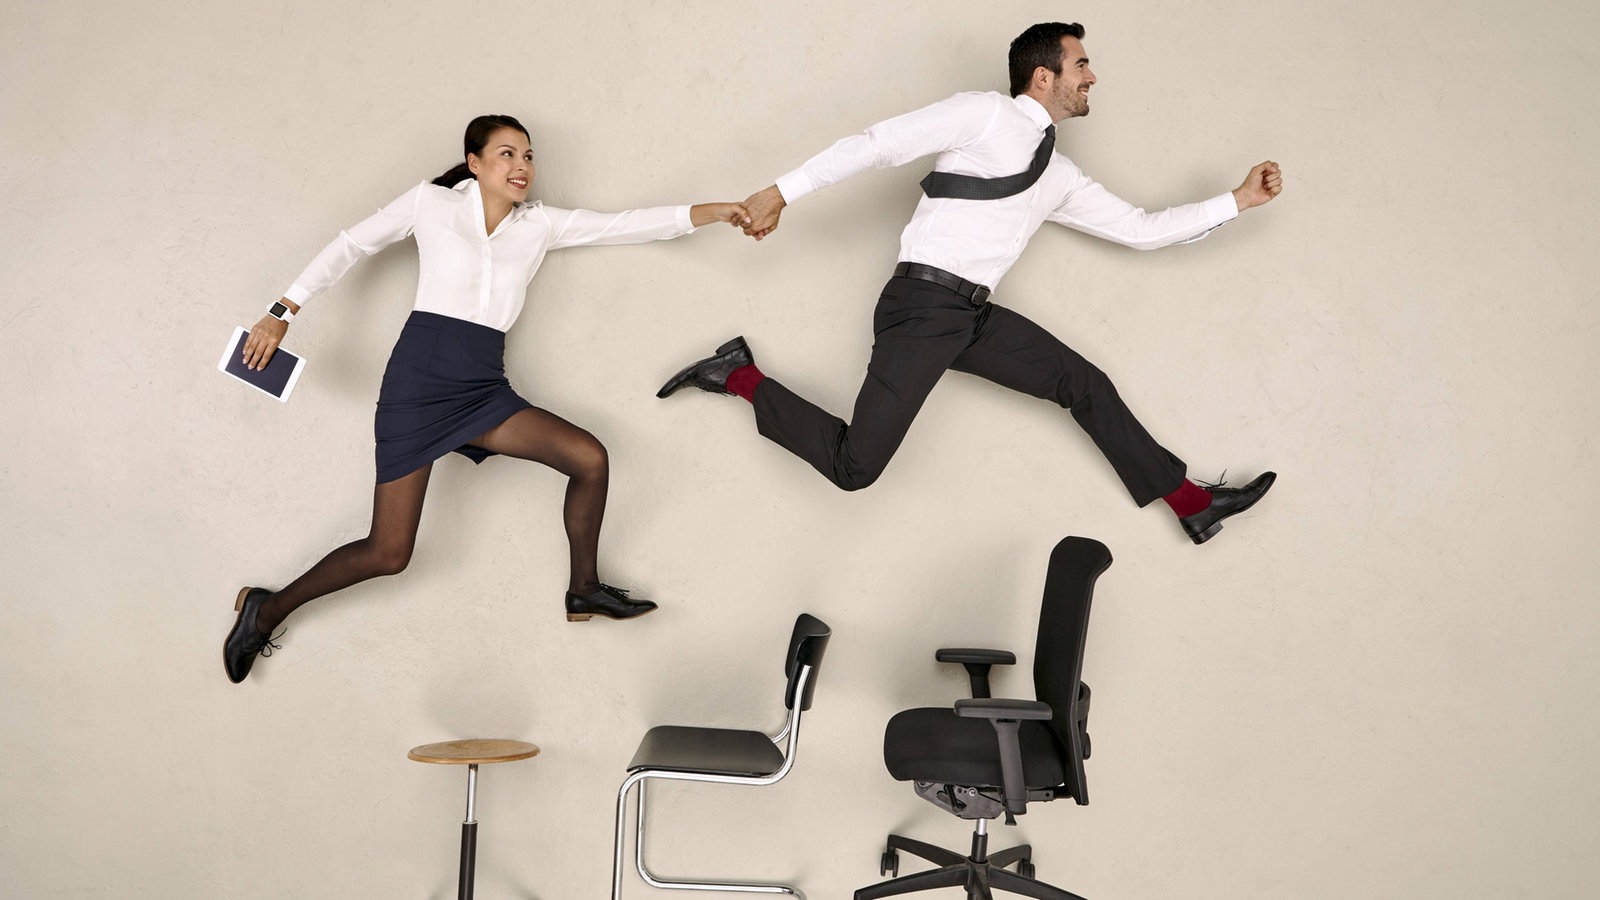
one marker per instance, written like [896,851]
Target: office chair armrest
[975,655]
[977,663]
[1003,709]
[1006,716]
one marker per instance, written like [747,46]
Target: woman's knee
[588,459]
[390,557]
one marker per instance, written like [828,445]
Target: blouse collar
[471,188]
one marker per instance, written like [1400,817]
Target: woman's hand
[265,338]
[732,213]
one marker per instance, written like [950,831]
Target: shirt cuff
[794,185]
[297,295]
[685,221]
[1222,208]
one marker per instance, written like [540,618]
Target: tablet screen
[277,379]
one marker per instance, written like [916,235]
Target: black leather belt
[976,294]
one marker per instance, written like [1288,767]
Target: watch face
[278,309]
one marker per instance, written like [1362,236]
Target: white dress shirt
[991,135]
[467,273]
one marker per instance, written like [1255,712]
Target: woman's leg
[396,511]
[547,438]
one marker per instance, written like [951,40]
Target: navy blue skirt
[445,385]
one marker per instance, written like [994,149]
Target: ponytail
[455,176]
[472,144]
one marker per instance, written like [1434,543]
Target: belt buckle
[980,296]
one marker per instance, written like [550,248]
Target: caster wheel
[1025,869]
[889,864]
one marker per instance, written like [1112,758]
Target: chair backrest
[1075,564]
[807,643]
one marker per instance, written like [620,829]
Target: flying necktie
[971,187]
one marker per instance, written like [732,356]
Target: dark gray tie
[971,187]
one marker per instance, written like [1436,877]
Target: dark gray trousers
[923,329]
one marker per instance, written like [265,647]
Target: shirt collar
[1033,110]
[470,187]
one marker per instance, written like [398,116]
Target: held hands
[734,214]
[765,206]
[265,338]
[1263,183]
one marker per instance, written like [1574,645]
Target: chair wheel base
[889,864]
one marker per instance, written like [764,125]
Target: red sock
[1188,499]
[743,381]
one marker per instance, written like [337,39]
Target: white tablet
[276,380]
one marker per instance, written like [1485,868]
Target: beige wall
[1381,685]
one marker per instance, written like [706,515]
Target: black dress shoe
[244,641]
[711,373]
[613,603]
[1225,501]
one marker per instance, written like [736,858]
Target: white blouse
[467,273]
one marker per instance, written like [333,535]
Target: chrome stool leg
[469,836]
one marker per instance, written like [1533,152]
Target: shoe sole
[679,380]
[584,617]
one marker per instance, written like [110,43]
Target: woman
[445,390]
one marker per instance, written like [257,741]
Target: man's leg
[1012,351]
[920,328]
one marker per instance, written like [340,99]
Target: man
[996,180]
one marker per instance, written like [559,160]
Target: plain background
[1382,683]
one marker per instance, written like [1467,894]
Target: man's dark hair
[1039,46]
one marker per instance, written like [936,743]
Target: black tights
[532,434]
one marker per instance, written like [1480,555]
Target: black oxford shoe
[1225,502]
[711,373]
[244,641]
[613,603]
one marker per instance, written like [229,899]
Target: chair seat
[934,744]
[710,751]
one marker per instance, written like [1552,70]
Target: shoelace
[606,587]
[267,645]
[1221,480]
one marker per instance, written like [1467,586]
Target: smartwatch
[280,311]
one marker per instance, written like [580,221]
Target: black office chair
[723,756]
[986,758]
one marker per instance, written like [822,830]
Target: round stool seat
[473,752]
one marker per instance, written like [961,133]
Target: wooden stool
[470,753]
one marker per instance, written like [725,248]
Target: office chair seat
[722,756]
[710,751]
[934,744]
[989,757]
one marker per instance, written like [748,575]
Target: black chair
[723,756]
[986,758]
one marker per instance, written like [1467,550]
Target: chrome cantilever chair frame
[789,734]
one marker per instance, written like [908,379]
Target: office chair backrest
[806,646]
[1075,563]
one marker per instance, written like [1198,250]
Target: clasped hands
[757,216]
